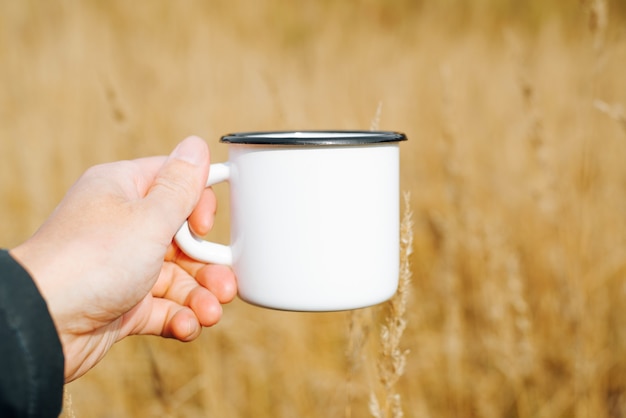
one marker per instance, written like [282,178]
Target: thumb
[178,185]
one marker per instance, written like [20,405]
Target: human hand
[105,263]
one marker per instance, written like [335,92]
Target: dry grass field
[515,164]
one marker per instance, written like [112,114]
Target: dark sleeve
[31,356]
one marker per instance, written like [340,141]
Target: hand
[105,262]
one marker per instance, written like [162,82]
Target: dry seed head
[68,408]
[392,359]
[598,20]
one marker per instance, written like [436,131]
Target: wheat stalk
[392,358]
[68,408]
[614,111]
[358,333]
[450,141]
[598,11]
[542,179]
[375,122]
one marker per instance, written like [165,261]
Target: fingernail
[190,150]
[192,328]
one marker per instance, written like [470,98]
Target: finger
[183,325]
[176,256]
[176,285]
[178,185]
[170,320]
[220,280]
[147,170]
[203,215]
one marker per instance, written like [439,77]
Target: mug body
[315,227]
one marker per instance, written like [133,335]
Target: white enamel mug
[314,218]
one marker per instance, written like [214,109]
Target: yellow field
[516,165]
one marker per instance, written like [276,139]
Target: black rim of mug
[313,137]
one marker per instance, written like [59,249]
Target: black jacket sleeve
[31,356]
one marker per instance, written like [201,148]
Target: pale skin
[105,262]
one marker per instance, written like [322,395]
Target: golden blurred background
[515,164]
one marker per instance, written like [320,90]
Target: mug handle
[194,246]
